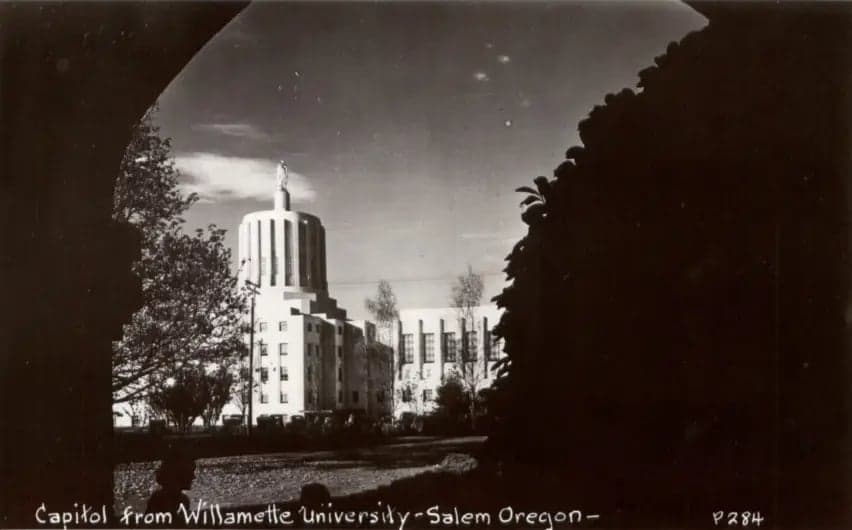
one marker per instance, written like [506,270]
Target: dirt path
[278,477]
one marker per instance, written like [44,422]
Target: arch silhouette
[75,78]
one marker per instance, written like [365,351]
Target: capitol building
[308,357]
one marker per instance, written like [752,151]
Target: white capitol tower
[283,249]
[309,359]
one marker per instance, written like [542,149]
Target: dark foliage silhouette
[452,401]
[677,305]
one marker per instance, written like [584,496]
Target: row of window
[380,396]
[264,348]
[263,326]
[282,326]
[283,349]
[450,347]
[427,373]
[284,374]
[264,397]
[407,395]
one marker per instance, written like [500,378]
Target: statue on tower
[281,176]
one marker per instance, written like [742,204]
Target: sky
[406,126]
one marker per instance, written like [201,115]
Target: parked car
[270,423]
[297,423]
[232,423]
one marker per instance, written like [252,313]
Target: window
[261,326]
[264,348]
[303,254]
[340,330]
[310,373]
[450,347]
[282,348]
[340,396]
[427,394]
[273,258]
[340,352]
[264,397]
[408,348]
[283,397]
[380,396]
[406,395]
[288,253]
[264,374]
[472,345]
[310,398]
[309,326]
[285,375]
[340,375]
[282,326]
[354,396]
[429,348]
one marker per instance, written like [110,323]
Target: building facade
[308,357]
[437,343]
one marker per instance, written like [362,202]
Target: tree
[384,310]
[218,387]
[180,397]
[452,401]
[192,307]
[378,369]
[136,410]
[677,249]
[192,391]
[146,191]
[466,296]
[192,312]
[240,389]
[408,392]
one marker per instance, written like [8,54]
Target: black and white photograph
[426,265]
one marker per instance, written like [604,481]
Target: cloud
[239,130]
[218,177]
[480,76]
